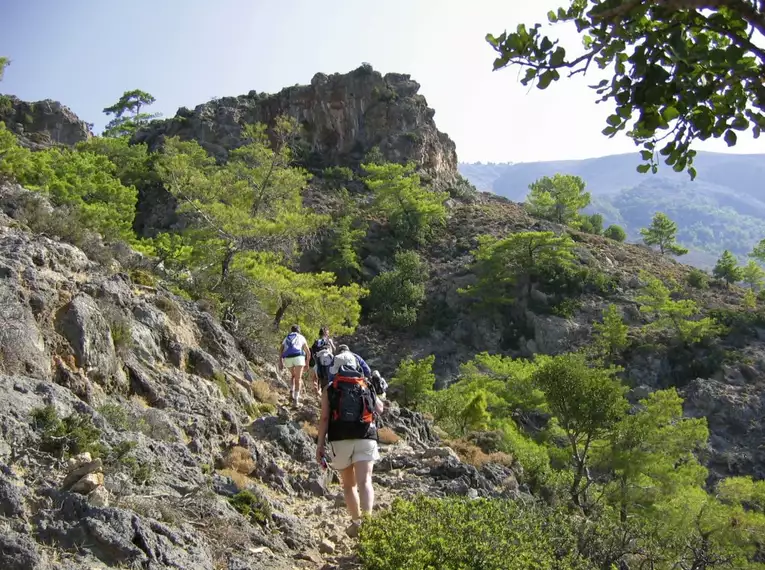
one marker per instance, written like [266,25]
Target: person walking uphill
[349,408]
[294,353]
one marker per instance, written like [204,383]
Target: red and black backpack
[351,404]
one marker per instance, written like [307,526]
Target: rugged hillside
[343,117]
[176,421]
[723,208]
[42,123]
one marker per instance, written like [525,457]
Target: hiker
[349,408]
[345,357]
[322,354]
[379,384]
[294,350]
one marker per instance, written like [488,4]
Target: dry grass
[475,456]
[240,460]
[263,393]
[387,436]
[241,480]
[310,430]
[140,401]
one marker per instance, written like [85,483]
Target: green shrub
[698,279]
[120,329]
[413,381]
[116,415]
[395,296]
[253,507]
[615,233]
[566,307]
[457,534]
[66,436]
[143,277]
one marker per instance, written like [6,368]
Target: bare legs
[297,375]
[357,488]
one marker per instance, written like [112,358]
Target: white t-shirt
[345,358]
[292,345]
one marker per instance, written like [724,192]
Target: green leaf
[692,172]
[739,123]
[545,79]
[670,113]
[608,131]
[643,168]
[646,154]
[552,18]
[730,138]
[614,120]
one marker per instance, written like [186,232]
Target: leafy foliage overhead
[681,70]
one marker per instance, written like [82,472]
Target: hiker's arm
[364,367]
[379,406]
[323,424]
[307,352]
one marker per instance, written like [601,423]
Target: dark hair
[323,331]
[295,328]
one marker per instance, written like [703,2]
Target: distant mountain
[724,208]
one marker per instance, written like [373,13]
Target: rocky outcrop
[42,123]
[343,117]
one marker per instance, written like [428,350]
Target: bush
[240,460]
[475,456]
[253,507]
[263,392]
[456,534]
[116,415]
[698,279]
[68,436]
[395,296]
[414,381]
[143,277]
[615,233]
[387,436]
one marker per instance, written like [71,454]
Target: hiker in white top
[294,353]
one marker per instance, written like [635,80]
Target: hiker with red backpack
[294,350]
[322,355]
[349,407]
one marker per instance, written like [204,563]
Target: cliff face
[43,123]
[343,117]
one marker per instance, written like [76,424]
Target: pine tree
[753,275]
[412,210]
[504,265]
[611,334]
[414,380]
[758,253]
[4,62]
[727,268]
[662,232]
[558,199]
[131,103]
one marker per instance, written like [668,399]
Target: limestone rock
[326,547]
[99,497]
[89,334]
[81,471]
[43,123]
[88,483]
[344,116]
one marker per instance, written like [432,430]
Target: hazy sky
[85,53]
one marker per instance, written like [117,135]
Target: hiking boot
[353,530]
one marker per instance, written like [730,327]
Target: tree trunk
[280,312]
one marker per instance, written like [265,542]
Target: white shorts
[294,361]
[346,452]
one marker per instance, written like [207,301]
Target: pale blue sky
[85,53]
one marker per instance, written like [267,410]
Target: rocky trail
[131,422]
